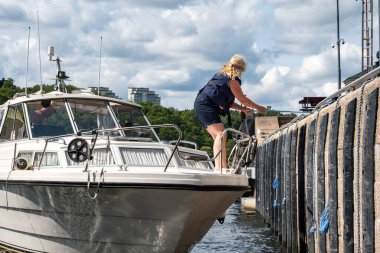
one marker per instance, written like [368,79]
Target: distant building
[103,91]
[309,103]
[138,95]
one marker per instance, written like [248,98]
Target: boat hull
[124,217]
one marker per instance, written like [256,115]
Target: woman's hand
[262,109]
[248,111]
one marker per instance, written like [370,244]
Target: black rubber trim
[130,185]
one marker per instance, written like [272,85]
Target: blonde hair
[235,67]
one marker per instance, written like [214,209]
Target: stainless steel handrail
[186,142]
[245,136]
[354,85]
[248,141]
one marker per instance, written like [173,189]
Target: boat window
[100,156]
[144,157]
[92,114]
[49,158]
[49,118]
[14,125]
[129,116]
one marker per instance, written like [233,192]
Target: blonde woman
[216,98]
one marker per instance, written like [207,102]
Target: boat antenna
[100,61]
[39,48]
[61,75]
[27,64]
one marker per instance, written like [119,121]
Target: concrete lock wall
[328,159]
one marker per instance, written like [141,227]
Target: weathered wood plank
[293,190]
[321,177]
[258,178]
[285,183]
[283,191]
[288,194]
[271,178]
[368,165]
[279,189]
[348,169]
[309,186]
[267,183]
[258,182]
[265,180]
[333,176]
[302,228]
[268,189]
[274,175]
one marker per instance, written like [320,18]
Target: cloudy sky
[174,47]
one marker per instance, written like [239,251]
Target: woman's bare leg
[216,131]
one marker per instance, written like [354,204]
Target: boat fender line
[101,179]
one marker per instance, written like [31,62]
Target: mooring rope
[275,187]
[313,222]
[101,178]
[357,171]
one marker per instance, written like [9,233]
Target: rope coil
[357,171]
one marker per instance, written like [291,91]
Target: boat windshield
[92,114]
[49,118]
[129,116]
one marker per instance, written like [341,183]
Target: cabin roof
[58,94]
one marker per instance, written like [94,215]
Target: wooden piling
[288,193]
[368,165]
[348,170]
[301,204]
[293,190]
[283,191]
[325,158]
[309,186]
[333,177]
[321,178]
[279,189]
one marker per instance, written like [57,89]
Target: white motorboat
[85,173]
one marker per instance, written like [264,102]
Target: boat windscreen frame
[2,116]
[63,107]
[139,109]
[105,103]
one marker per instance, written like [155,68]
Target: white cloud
[152,78]
[174,47]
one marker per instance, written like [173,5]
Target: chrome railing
[352,86]
[97,131]
[237,149]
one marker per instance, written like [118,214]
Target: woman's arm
[239,95]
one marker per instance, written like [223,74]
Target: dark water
[240,233]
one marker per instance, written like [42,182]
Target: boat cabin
[63,114]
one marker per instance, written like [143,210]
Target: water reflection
[240,233]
